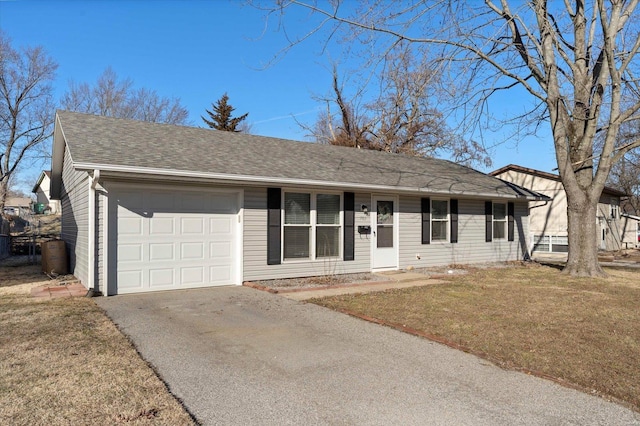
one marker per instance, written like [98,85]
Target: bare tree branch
[26,107]
[113,97]
[576,58]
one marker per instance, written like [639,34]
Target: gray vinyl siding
[471,246]
[255,245]
[75,217]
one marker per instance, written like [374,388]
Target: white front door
[602,235]
[384,224]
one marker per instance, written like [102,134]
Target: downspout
[93,288]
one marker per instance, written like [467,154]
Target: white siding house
[630,225]
[548,219]
[42,189]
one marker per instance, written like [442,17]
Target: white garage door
[174,239]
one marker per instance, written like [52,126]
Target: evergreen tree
[221,116]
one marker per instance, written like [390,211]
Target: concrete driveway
[236,355]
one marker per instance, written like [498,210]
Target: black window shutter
[488,214]
[511,221]
[453,206]
[426,220]
[349,222]
[274,201]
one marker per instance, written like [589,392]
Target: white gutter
[93,182]
[284,181]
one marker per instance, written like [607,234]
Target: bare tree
[26,107]
[400,119]
[113,97]
[576,61]
[625,174]
[348,127]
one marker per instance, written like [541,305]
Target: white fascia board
[57,158]
[131,172]
[38,182]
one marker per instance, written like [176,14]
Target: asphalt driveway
[236,355]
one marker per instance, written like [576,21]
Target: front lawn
[580,331]
[63,362]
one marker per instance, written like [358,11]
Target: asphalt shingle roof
[101,141]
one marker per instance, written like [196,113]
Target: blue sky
[196,51]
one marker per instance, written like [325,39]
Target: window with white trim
[297,225]
[439,220]
[312,225]
[499,221]
[615,210]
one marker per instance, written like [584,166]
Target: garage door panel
[221,225]
[220,273]
[192,251]
[130,225]
[161,277]
[193,275]
[161,225]
[192,225]
[129,280]
[161,252]
[172,239]
[221,250]
[130,252]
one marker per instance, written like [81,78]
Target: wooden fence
[5,239]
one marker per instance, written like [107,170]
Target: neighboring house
[630,230]
[153,207]
[548,219]
[42,191]
[17,206]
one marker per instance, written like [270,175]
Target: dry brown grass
[21,274]
[582,331]
[63,362]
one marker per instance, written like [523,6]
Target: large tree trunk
[583,238]
[4,187]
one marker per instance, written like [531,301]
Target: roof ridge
[125,144]
[556,177]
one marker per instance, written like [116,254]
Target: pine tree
[221,116]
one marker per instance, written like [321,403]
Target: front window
[312,225]
[499,221]
[439,220]
[297,225]
[327,225]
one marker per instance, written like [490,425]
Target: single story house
[43,195]
[548,224]
[154,207]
